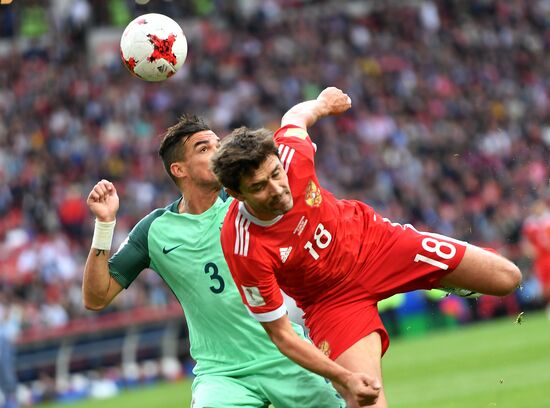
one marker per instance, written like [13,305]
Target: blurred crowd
[449,130]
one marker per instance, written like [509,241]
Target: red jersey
[537,230]
[313,252]
[336,258]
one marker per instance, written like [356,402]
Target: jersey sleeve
[260,292]
[292,139]
[256,282]
[132,256]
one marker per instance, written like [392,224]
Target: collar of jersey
[257,221]
[174,209]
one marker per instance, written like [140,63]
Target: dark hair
[240,154]
[170,149]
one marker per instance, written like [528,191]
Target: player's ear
[178,169]
[236,195]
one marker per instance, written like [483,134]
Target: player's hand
[363,389]
[335,101]
[103,201]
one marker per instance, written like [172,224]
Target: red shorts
[401,260]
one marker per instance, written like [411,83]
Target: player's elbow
[93,307]
[284,341]
[93,304]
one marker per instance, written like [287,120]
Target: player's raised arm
[98,287]
[331,101]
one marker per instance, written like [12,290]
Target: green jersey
[185,250]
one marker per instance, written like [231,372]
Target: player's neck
[197,200]
[264,217]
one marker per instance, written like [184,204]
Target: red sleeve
[258,288]
[254,276]
[296,138]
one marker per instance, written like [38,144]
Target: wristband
[103,235]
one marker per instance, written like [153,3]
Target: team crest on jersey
[324,347]
[313,194]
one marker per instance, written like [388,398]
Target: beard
[213,185]
[283,204]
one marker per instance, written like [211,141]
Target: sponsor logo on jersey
[253,296]
[166,251]
[313,194]
[324,347]
[301,225]
[285,252]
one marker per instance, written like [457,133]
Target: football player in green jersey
[237,364]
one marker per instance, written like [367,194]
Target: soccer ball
[153,47]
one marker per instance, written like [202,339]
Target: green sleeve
[133,255]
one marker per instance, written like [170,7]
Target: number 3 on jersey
[442,249]
[322,239]
[211,269]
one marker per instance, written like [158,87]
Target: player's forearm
[96,284]
[309,357]
[305,114]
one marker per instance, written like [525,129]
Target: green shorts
[285,385]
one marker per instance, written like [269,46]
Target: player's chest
[183,245]
[302,238]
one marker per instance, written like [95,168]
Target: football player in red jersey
[536,231]
[336,258]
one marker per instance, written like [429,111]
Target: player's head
[247,164]
[186,149]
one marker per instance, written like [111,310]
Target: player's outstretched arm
[331,101]
[98,287]
[359,388]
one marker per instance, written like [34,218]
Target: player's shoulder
[291,139]
[144,225]
[241,236]
[291,131]
[230,216]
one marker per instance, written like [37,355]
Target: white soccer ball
[153,47]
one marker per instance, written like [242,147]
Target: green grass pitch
[499,364]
